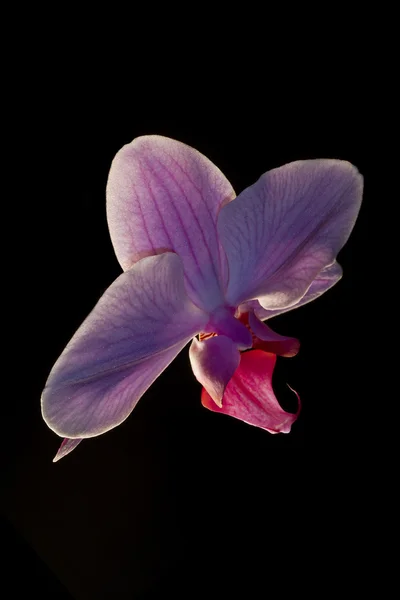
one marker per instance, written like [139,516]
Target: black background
[177,500]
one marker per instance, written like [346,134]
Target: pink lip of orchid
[198,260]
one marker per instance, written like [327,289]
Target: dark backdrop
[177,500]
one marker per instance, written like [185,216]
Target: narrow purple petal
[163,195]
[66,447]
[136,329]
[281,232]
[323,282]
[214,361]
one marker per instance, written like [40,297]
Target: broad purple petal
[214,361]
[268,340]
[67,445]
[163,195]
[281,232]
[136,329]
[323,282]
[249,395]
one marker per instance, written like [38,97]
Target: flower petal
[249,395]
[323,282]
[214,361]
[268,340]
[163,195]
[283,230]
[66,447]
[136,329]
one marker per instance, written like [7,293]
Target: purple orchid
[199,261]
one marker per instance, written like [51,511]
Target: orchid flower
[199,261]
